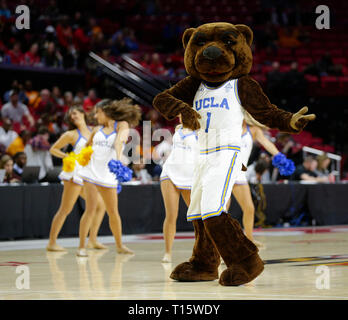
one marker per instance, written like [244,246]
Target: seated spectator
[6,163]
[323,165]
[81,39]
[153,116]
[45,104]
[20,161]
[145,61]
[4,10]
[52,57]
[31,57]
[258,171]
[307,171]
[7,135]
[162,151]
[140,173]
[21,93]
[324,66]
[288,38]
[91,100]
[94,29]
[18,144]
[118,44]
[130,40]
[57,97]
[286,144]
[64,32]
[15,56]
[15,110]
[156,66]
[79,97]
[40,141]
[261,167]
[37,151]
[32,95]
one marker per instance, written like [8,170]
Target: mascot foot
[188,272]
[243,272]
[205,259]
[238,252]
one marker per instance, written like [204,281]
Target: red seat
[336,52]
[284,68]
[305,60]
[330,86]
[339,60]
[284,52]
[302,52]
[343,83]
[318,52]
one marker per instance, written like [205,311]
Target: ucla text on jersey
[210,103]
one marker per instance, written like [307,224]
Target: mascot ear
[246,32]
[186,36]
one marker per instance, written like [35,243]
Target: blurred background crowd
[295,63]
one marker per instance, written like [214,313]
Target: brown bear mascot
[218,59]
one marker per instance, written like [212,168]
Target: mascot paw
[299,120]
[243,272]
[190,118]
[188,272]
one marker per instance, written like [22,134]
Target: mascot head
[217,52]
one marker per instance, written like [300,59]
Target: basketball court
[301,263]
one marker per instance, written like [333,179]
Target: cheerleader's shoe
[167,258]
[82,252]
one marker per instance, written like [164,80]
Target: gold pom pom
[69,162]
[84,156]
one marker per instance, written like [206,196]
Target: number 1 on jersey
[208,121]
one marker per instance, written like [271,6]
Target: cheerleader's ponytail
[121,110]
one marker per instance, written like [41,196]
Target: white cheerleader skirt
[180,175]
[72,176]
[241,179]
[98,175]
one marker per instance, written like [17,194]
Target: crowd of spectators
[307,169]
[57,39]
[61,36]
[32,119]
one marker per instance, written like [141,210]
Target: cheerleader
[106,140]
[252,131]
[176,179]
[77,136]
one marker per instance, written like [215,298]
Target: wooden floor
[294,269]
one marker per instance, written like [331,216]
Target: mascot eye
[200,43]
[230,42]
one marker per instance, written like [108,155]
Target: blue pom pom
[122,173]
[125,174]
[115,166]
[279,159]
[285,166]
[119,188]
[287,169]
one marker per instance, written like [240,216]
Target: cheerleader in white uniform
[107,141]
[176,178]
[252,130]
[73,184]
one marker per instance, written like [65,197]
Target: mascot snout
[212,53]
